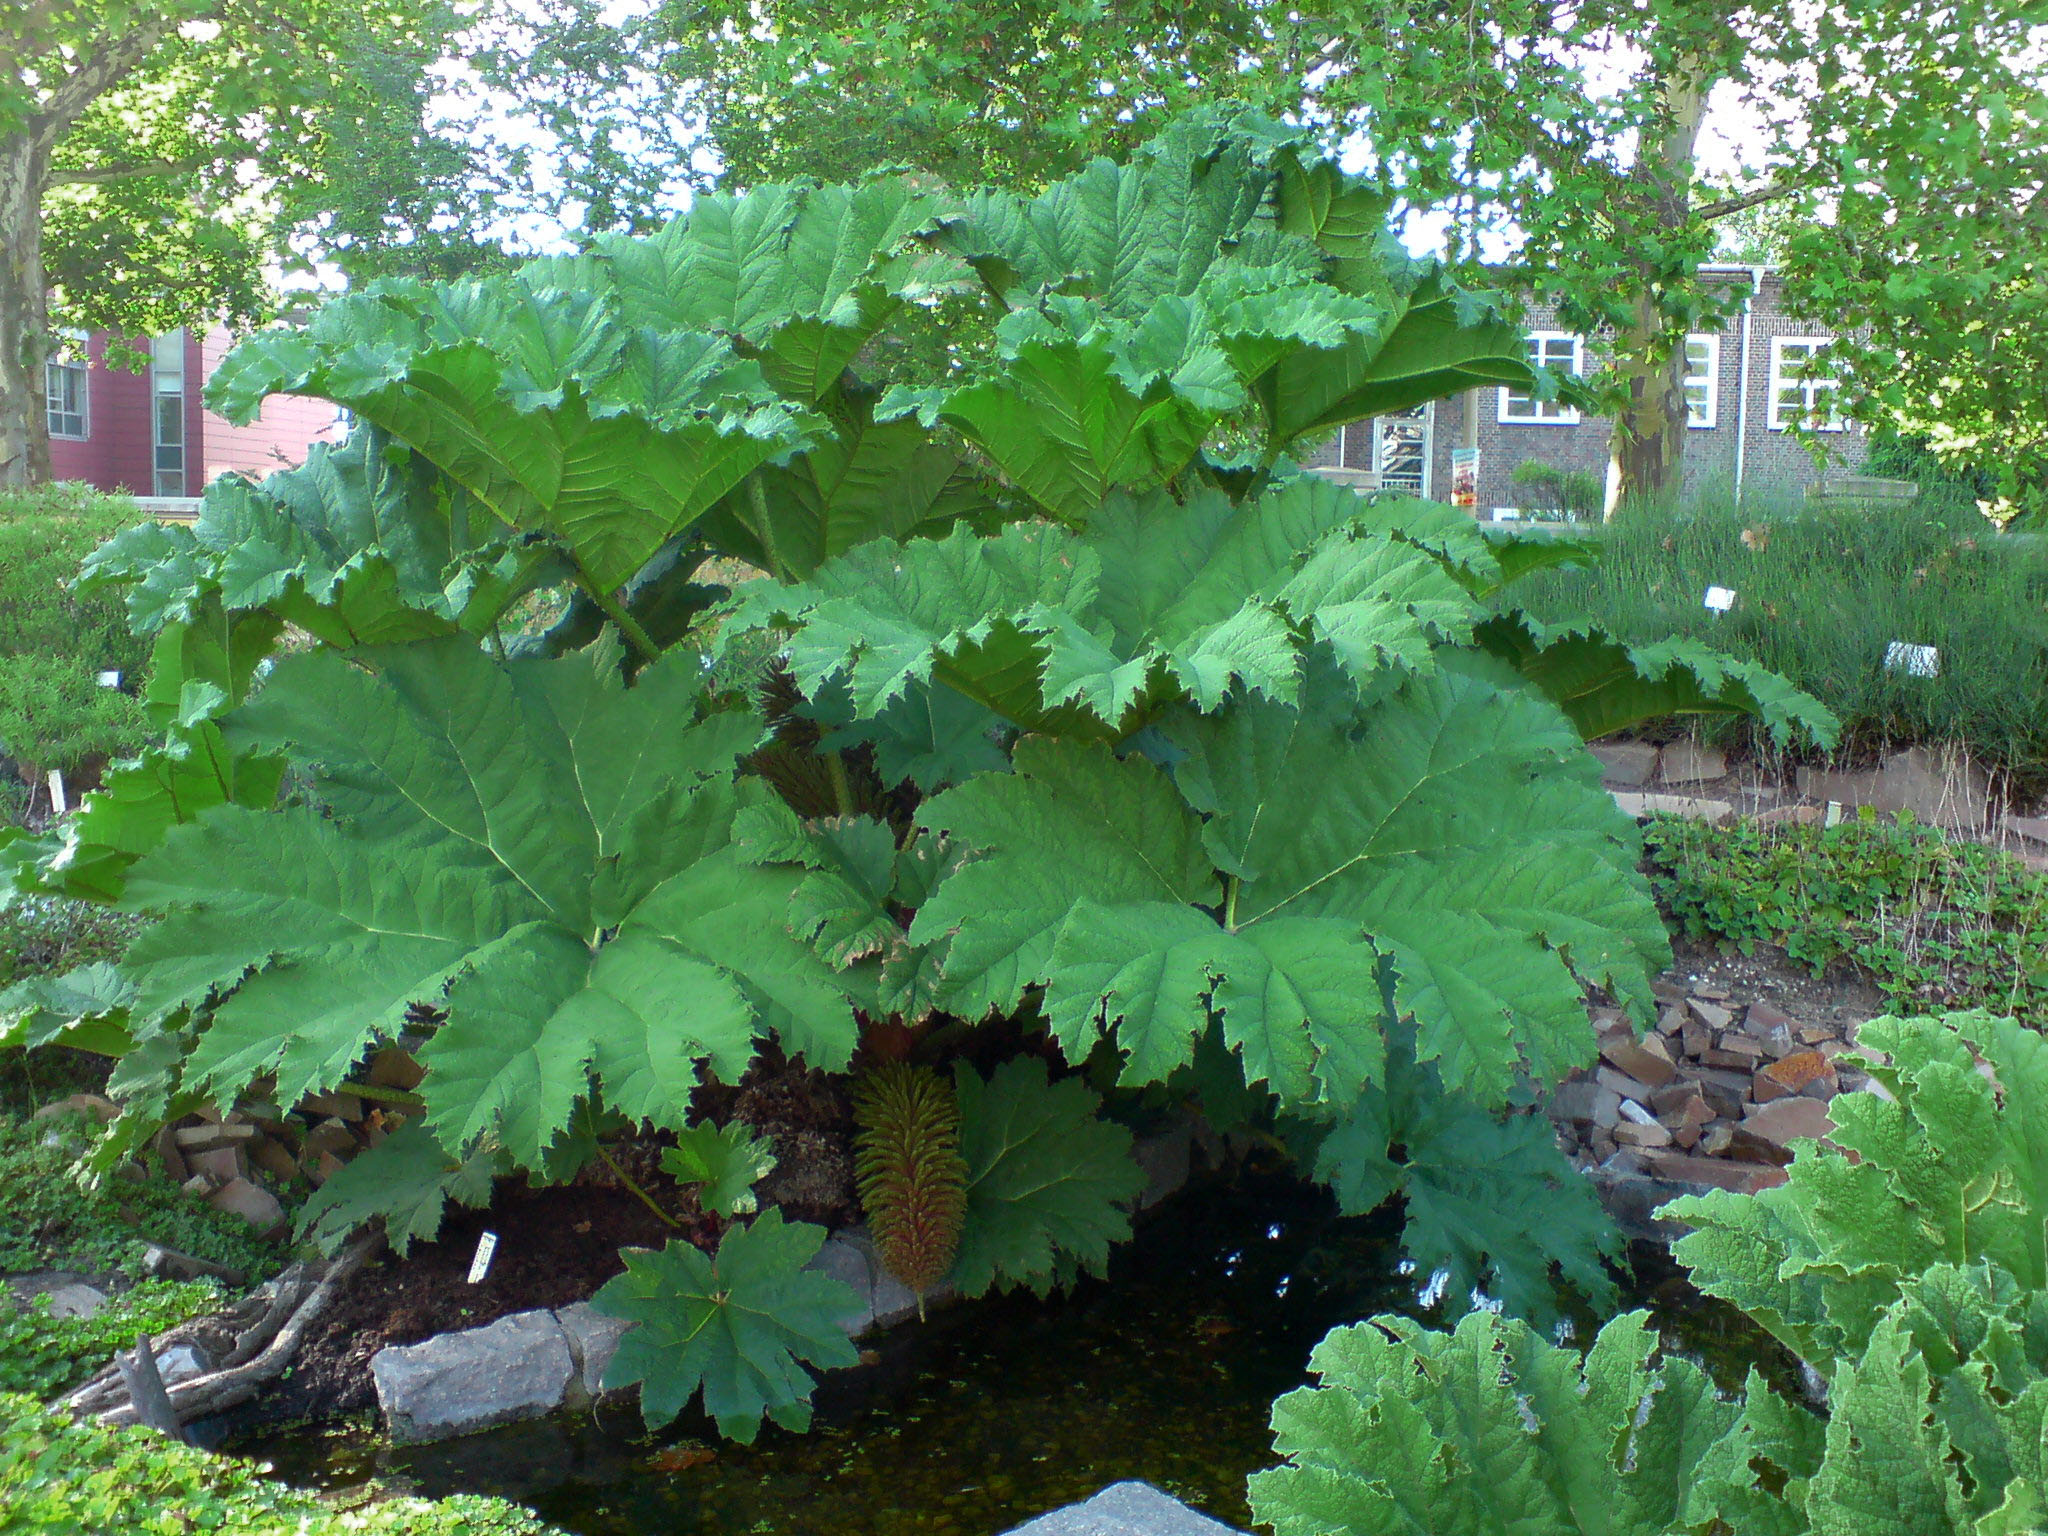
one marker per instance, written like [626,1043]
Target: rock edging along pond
[528,1364]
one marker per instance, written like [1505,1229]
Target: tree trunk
[1646,453]
[1647,450]
[24,315]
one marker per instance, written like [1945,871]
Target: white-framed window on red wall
[1560,352]
[1800,395]
[1702,381]
[167,387]
[67,387]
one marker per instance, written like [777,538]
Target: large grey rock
[1626,763]
[593,1340]
[1125,1509]
[1691,762]
[1166,1160]
[181,1362]
[519,1367]
[76,1301]
[1943,787]
[849,1255]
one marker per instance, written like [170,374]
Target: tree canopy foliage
[155,158]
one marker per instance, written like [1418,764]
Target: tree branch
[1770,192]
[99,72]
[100,175]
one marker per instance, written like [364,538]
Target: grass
[1821,594]
[1937,923]
[53,642]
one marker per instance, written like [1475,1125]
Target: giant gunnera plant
[1038,693]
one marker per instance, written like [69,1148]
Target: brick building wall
[118,450]
[1773,463]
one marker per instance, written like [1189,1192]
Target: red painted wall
[118,452]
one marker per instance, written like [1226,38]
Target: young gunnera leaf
[1048,1182]
[1491,1202]
[407,1179]
[740,1326]
[1491,1429]
[1947,1169]
[724,1162]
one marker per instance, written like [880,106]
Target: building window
[1798,395]
[1702,380]
[1559,351]
[167,386]
[1396,447]
[68,397]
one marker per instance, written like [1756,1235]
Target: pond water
[990,1413]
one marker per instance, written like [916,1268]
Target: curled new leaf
[724,1162]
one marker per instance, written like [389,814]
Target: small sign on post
[1720,599]
[1913,660]
[486,1246]
[1465,479]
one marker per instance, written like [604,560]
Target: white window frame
[1810,390]
[1531,412]
[1709,412]
[82,367]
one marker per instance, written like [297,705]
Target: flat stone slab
[1126,1509]
[519,1367]
[593,1340]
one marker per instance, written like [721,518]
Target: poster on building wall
[1465,478]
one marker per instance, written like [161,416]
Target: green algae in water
[992,1412]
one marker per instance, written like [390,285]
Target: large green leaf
[1491,1429]
[1491,1202]
[1606,686]
[1155,601]
[550,847]
[740,1325]
[1943,1172]
[545,406]
[866,480]
[1454,828]
[406,1181]
[1048,1182]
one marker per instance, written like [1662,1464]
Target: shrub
[1087,718]
[1821,594]
[1912,1278]
[1541,487]
[54,640]
[1934,921]
[60,1476]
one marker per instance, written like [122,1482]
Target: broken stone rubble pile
[1714,1095]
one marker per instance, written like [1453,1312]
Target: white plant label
[486,1246]
[111,678]
[1720,599]
[1913,660]
[58,804]
[1832,817]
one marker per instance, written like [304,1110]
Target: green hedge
[59,1477]
[1820,594]
[53,713]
